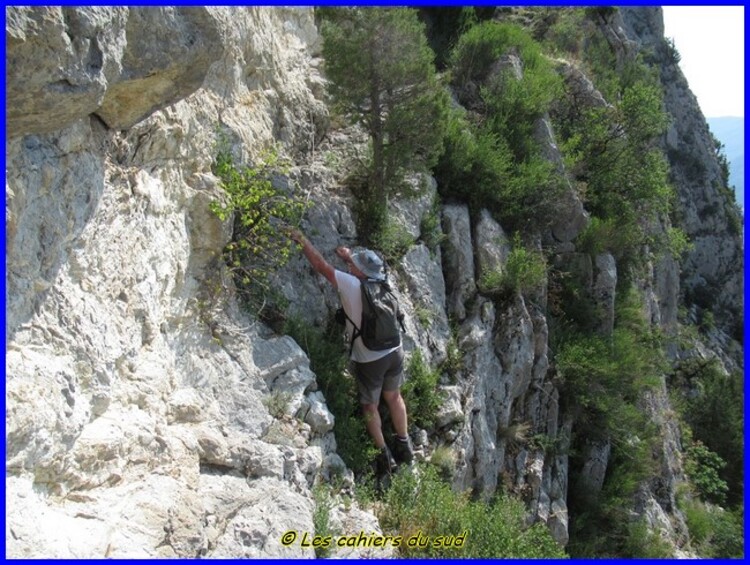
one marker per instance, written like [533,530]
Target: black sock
[402,439]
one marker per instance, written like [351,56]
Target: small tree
[257,207]
[382,73]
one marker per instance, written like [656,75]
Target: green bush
[454,360]
[512,105]
[491,158]
[728,538]
[714,532]
[525,271]
[620,165]
[256,206]
[420,391]
[444,460]
[605,378]
[599,60]
[479,167]
[677,243]
[529,200]
[699,521]
[642,542]
[703,467]
[571,307]
[328,359]
[707,321]
[605,374]
[613,153]
[472,158]
[601,523]
[483,44]
[605,235]
[392,240]
[715,413]
[324,503]
[431,231]
[565,36]
[421,504]
[475,162]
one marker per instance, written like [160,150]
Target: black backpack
[381,317]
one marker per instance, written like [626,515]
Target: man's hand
[293,233]
[344,253]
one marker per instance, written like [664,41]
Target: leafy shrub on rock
[256,203]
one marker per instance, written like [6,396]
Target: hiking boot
[402,450]
[384,463]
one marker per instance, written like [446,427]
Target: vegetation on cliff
[383,77]
[483,151]
[259,208]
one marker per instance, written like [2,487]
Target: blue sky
[710,40]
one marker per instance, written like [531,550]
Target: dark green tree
[383,75]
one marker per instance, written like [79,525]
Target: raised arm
[314,257]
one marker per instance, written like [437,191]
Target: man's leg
[369,384]
[397,407]
[385,464]
[402,449]
[370,377]
[373,424]
[394,378]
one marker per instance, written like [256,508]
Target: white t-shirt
[351,299]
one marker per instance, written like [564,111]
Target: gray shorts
[386,373]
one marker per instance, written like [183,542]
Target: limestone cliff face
[146,415]
[712,276]
[138,419]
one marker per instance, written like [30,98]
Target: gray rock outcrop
[712,274]
[458,259]
[146,416]
[492,248]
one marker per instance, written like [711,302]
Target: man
[376,372]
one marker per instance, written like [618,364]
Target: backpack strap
[356,332]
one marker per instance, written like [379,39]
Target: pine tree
[383,75]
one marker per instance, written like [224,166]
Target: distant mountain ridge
[731,132]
